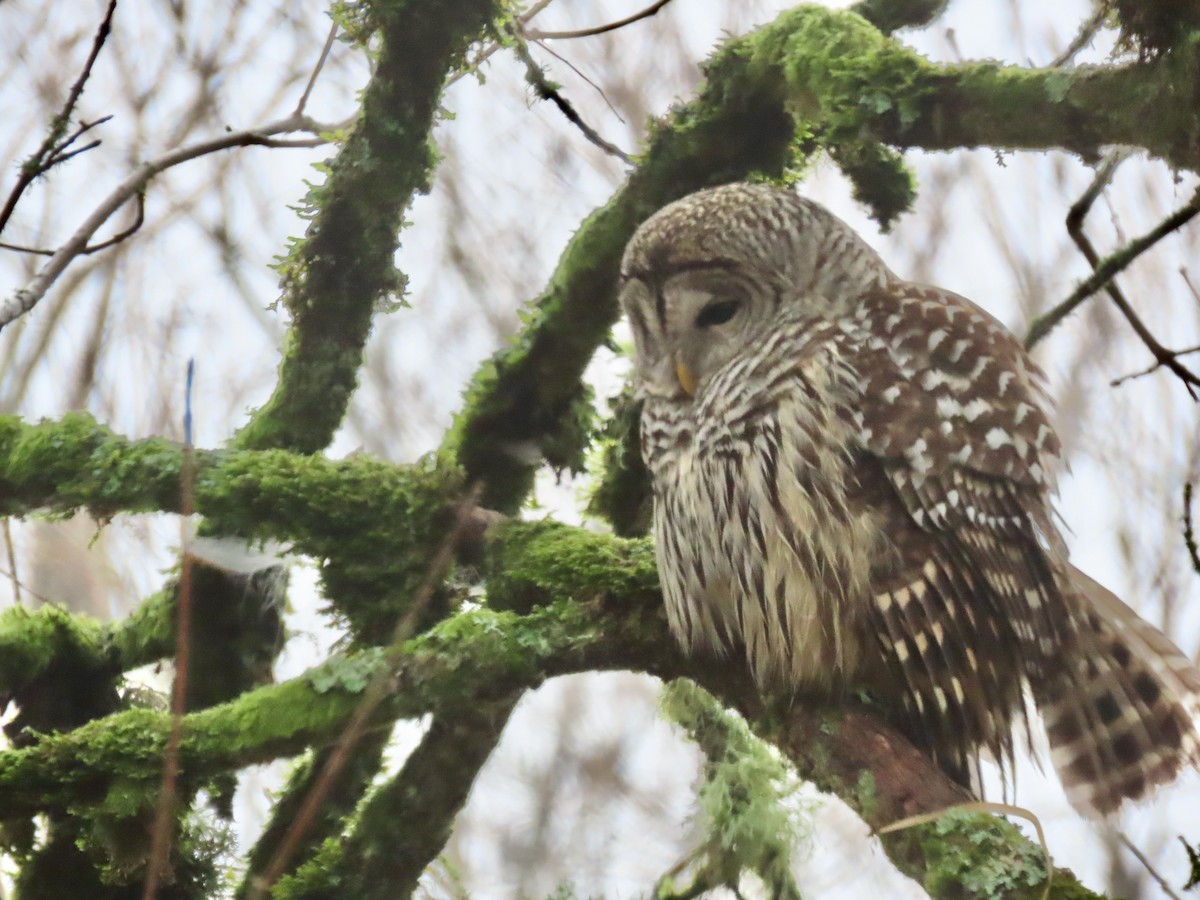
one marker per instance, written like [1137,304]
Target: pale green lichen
[752,814]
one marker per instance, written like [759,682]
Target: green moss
[536,563]
[622,490]
[65,464]
[319,877]
[374,525]
[57,669]
[32,640]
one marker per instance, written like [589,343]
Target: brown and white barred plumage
[852,482]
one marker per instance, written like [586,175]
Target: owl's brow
[679,266]
[660,272]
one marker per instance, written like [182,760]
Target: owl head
[708,277]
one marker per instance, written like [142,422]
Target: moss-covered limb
[376,523]
[343,269]
[405,824]
[854,754]
[834,69]
[32,640]
[747,795]
[74,463]
[484,655]
[147,634]
[56,667]
[341,799]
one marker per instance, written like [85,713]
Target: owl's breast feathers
[760,549]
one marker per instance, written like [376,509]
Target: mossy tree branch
[343,270]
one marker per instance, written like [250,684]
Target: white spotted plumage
[852,477]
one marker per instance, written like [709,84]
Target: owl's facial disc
[686,326]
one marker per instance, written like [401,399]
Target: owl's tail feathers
[1123,712]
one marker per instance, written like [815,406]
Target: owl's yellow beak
[686,379]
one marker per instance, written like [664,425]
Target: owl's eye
[717,313]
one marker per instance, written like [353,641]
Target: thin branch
[1147,865]
[135,183]
[40,598]
[1189,530]
[547,91]
[1105,270]
[1087,32]
[312,79]
[646,13]
[489,50]
[139,219]
[84,128]
[574,68]
[49,153]
[1188,281]
[12,561]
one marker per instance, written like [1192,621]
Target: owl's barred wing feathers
[853,479]
[970,457]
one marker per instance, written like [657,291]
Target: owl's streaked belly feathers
[757,544]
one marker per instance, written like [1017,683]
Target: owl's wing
[957,457]
[973,594]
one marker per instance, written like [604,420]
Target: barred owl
[852,479]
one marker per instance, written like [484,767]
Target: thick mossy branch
[374,525]
[814,78]
[343,270]
[404,824]
[482,655]
[57,668]
[341,799]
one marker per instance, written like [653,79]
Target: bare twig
[466,522]
[1101,278]
[547,91]
[50,153]
[1189,530]
[40,598]
[1188,281]
[12,561]
[135,183]
[646,13]
[312,79]
[164,817]
[574,68]
[138,220]
[1075,217]
[1087,31]
[1141,857]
